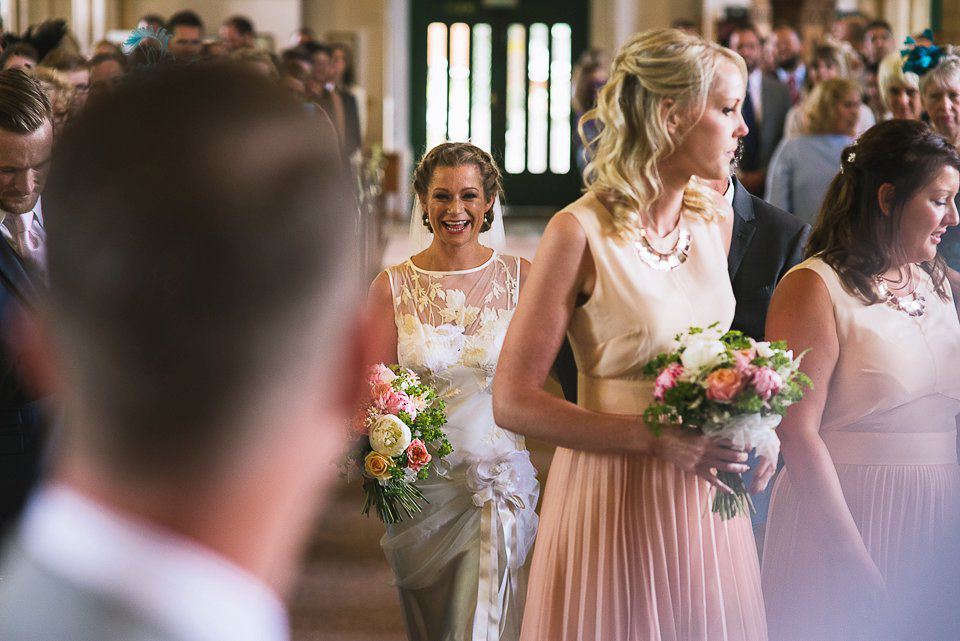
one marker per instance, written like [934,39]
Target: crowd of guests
[320,74]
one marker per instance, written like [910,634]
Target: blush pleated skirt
[628,550]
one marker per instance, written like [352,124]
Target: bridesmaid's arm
[382,324]
[807,459]
[562,275]
[953,279]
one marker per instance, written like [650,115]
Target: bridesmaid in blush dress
[628,549]
[871,479]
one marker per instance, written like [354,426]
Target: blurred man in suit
[202,332]
[765,109]
[26,140]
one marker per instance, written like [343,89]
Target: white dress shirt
[755,88]
[180,585]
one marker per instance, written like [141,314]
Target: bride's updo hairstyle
[633,139]
[458,154]
[852,234]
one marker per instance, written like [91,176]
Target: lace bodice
[458,318]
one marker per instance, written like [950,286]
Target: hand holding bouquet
[398,434]
[728,386]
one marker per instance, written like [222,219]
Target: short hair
[242,24]
[633,138]
[185,18]
[257,56]
[104,57]
[820,110]
[458,154]
[24,105]
[879,24]
[851,233]
[152,19]
[946,73]
[890,72]
[296,53]
[746,26]
[173,318]
[315,47]
[831,54]
[22,49]
[64,61]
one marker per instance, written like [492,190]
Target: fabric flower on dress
[435,348]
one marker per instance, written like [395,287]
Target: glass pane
[560,93]
[436,84]
[480,95]
[538,71]
[458,115]
[516,135]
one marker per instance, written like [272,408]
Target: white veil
[420,237]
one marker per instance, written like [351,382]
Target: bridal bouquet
[729,386]
[397,433]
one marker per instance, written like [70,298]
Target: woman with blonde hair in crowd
[828,61]
[803,166]
[60,92]
[628,548]
[871,477]
[940,93]
[899,89]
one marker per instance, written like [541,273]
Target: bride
[444,313]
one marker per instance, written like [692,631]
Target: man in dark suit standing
[765,109]
[26,140]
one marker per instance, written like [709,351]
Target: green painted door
[498,73]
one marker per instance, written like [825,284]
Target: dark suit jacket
[350,138]
[766,243]
[776,104]
[22,424]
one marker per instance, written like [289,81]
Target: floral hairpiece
[919,59]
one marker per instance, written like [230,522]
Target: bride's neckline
[486,263]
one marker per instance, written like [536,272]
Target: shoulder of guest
[777,218]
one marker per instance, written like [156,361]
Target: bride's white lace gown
[459,563]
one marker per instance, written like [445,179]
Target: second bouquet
[729,386]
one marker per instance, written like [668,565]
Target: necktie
[750,161]
[792,86]
[29,241]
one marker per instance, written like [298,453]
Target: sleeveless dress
[628,549]
[889,425]
[459,563]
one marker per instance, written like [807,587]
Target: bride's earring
[487,221]
[426,222]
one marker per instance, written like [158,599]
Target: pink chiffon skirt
[901,512]
[628,550]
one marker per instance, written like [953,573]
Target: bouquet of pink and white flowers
[398,433]
[729,386]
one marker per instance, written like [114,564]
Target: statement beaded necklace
[660,261]
[913,305]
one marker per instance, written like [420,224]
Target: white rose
[702,354]
[764,350]
[390,436]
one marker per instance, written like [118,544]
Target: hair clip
[852,157]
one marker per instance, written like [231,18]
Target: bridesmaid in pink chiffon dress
[871,481]
[628,549]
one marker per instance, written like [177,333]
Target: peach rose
[724,384]
[417,455]
[377,466]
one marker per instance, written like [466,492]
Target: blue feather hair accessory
[921,59]
[138,35]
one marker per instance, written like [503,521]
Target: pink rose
[417,455]
[742,359]
[666,379]
[724,384]
[395,401]
[380,373]
[767,382]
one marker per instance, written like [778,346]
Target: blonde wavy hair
[821,108]
[633,139]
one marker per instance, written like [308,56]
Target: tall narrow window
[458,115]
[480,92]
[436,84]
[560,94]
[538,74]
[514,155]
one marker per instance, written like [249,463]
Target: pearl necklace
[660,261]
[913,305]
